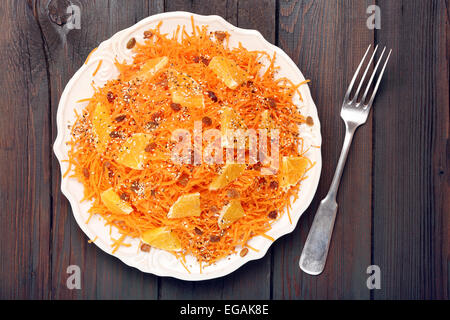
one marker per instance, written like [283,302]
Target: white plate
[160,262]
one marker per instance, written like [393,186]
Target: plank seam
[50,122]
[277,21]
[372,207]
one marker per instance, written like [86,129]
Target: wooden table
[394,198]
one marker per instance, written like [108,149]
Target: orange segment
[230,173]
[227,71]
[230,213]
[132,153]
[102,125]
[187,205]
[162,238]
[112,201]
[292,170]
[230,120]
[266,121]
[151,67]
[185,90]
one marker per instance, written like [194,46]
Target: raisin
[150,147]
[243,252]
[131,43]
[110,96]
[273,214]
[175,106]
[214,238]
[198,231]
[148,34]
[273,185]
[212,95]
[205,61]
[207,121]
[125,196]
[114,134]
[152,125]
[272,102]
[86,173]
[157,116]
[309,121]
[183,179]
[135,186]
[220,35]
[120,118]
[257,166]
[145,247]
[196,157]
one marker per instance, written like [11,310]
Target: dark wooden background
[394,197]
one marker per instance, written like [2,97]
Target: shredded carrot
[83,100]
[119,242]
[152,191]
[250,247]
[91,214]
[98,67]
[92,240]
[69,168]
[267,237]
[193,26]
[89,55]
[182,263]
[288,213]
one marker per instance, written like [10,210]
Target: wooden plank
[103,276]
[327,40]
[224,8]
[259,15]
[411,177]
[253,280]
[24,156]
[409,133]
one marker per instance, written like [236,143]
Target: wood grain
[253,280]
[410,159]
[394,200]
[24,157]
[224,8]
[327,39]
[103,276]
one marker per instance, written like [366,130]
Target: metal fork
[354,112]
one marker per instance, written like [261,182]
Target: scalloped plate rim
[75,204]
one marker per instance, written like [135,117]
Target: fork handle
[314,255]
[315,251]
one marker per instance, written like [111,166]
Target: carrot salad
[122,143]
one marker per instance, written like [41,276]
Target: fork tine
[355,97]
[350,87]
[363,99]
[379,80]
